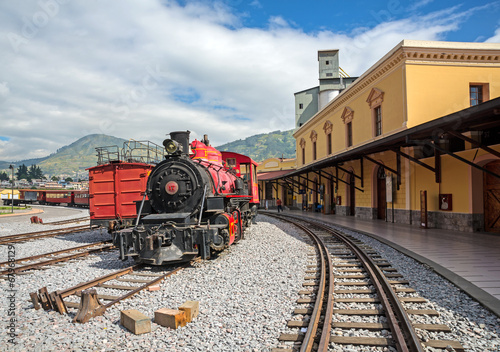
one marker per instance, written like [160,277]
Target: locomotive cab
[193,206]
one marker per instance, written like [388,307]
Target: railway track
[89,306]
[5,240]
[366,287]
[43,260]
[69,221]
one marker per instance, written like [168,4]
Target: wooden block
[135,321]
[154,288]
[192,308]
[170,318]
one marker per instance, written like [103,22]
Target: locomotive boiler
[198,201]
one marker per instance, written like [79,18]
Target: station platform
[470,260]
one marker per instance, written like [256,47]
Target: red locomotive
[195,204]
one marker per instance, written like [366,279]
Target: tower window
[301,106]
[327,62]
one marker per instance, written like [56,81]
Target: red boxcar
[118,182]
[114,190]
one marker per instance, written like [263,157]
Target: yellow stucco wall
[276,164]
[393,118]
[439,89]
[456,179]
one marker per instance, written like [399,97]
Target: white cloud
[140,69]
[495,38]
[4,91]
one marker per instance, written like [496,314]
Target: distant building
[332,81]
[53,184]
[268,173]
[74,185]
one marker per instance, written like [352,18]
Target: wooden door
[381,196]
[492,198]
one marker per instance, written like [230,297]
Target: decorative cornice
[412,54]
[302,143]
[375,98]
[327,127]
[313,136]
[347,115]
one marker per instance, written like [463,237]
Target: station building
[415,139]
[270,187]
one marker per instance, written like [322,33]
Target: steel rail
[102,309]
[404,335]
[68,221]
[310,336]
[320,307]
[34,257]
[90,305]
[37,232]
[41,234]
[84,285]
[18,269]
[400,324]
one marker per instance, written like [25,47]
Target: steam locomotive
[198,201]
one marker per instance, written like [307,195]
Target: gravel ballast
[246,295]
[475,327]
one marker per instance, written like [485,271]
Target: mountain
[78,156]
[73,159]
[27,162]
[260,147]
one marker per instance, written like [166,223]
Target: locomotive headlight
[171,146]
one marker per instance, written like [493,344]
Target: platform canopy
[484,117]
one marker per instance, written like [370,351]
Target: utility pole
[12,199]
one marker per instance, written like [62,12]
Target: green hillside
[263,146]
[78,156]
[73,159]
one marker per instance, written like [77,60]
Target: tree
[35,172]
[22,172]
[55,178]
[68,179]
[4,176]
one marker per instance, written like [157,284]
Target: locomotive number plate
[171,187]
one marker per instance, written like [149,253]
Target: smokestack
[181,137]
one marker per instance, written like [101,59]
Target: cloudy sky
[140,69]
